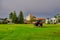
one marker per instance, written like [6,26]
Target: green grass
[29,32]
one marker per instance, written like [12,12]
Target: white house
[1,20]
[10,21]
[29,17]
[51,21]
[47,21]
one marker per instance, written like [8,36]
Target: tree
[11,15]
[14,19]
[57,16]
[21,18]
[32,19]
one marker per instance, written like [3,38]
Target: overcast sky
[39,8]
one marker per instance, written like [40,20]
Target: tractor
[39,22]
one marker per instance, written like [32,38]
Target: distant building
[39,18]
[51,21]
[47,21]
[9,21]
[29,17]
[43,19]
[1,20]
[5,21]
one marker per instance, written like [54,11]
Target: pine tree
[11,15]
[14,17]
[21,18]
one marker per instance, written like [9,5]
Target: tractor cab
[39,22]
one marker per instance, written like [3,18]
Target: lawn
[29,32]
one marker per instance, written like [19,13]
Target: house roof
[1,19]
[40,19]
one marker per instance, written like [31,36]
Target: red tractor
[39,22]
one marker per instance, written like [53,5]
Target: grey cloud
[41,7]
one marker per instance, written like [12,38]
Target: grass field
[29,32]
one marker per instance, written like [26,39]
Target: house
[1,20]
[51,21]
[47,21]
[9,21]
[43,19]
[29,18]
[5,21]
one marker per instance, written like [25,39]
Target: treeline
[17,19]
[57,16]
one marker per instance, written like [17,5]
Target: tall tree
[21,18]
[11,15]
[14,17]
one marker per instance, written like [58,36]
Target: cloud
[34,6]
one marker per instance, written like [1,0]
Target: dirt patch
[57,33]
